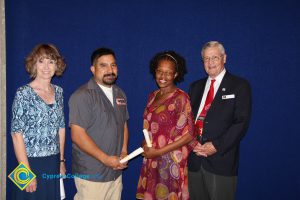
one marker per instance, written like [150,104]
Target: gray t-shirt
[90,109]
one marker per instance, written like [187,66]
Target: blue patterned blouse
[37,121]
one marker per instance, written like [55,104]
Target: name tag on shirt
[230,96]
[120,101]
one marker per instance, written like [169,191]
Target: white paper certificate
[147,138]
[132,155]
[62,189]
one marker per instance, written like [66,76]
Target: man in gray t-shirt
[98,121]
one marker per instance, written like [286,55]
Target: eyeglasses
[213,59]
[166,73]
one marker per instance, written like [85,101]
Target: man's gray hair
[213,44]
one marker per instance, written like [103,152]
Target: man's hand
[123,155]
[198,151]
[207,149]
[114,162]
[32,186]
[124,165]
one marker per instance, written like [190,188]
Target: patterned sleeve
[186,119]
[18,113]
[145,122]
[151,96]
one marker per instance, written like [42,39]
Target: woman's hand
[31,187]
[63,168]
[143,143]
[150,152]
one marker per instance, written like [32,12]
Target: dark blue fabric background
[262,41]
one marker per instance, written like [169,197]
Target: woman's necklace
[44,91]
[46,95]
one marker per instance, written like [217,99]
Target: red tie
[209,99]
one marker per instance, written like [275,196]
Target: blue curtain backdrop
[262,41]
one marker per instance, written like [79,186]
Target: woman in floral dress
[168,119]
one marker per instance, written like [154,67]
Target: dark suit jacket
[225,124]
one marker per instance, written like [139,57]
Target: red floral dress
[165,177]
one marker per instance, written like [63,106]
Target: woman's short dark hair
[47,51]
[179,63]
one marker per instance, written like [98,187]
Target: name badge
[230,96]
[120,101]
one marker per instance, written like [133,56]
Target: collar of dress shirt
[219,77]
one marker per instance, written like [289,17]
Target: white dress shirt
[206,89]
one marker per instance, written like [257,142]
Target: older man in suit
[221,104]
